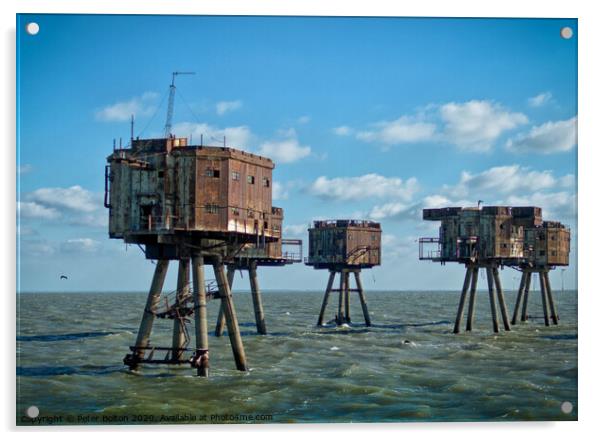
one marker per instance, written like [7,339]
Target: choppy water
[70,349]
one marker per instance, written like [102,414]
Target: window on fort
[160,174]
[235,211]
[265,225]
[542,253]
[211,209]
[209,172]
[235,175]
[265,182]
[250,214]
[251,180]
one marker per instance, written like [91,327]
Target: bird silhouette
[64,277]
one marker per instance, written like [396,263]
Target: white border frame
[590,306]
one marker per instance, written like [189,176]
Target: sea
[408,366]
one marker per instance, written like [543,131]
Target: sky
[371,118]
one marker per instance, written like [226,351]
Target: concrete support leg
[465,287]
[346,297]
[500,298]
[544,298]
[341,311]
[524,316]
[519,297]
[553,311]
[200,315]
[496,327]
[178,340]
[230,314]
[360,291]
[257,304]
[472,299]
[326,297]
[148,318]
[221,320]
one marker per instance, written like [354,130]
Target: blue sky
[364,117]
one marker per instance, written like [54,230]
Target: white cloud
[236,137]
[295,229]
[363,187]
[396,247]
[24,168]
[392,211]
[74,198]
[287,132]
[143,105]
[73,205]
[279,192]
[513,186]
[97,219]
[35,210]
[567,181]
[402,130]
[304,119]
[224,107]
[284,151]
[472,126]
[501,180]
[476,125]
[45,248]
[25,231]
[540,100]
[342,130]
[36,248]
[505,185]
[560,205]
[80,245]
[436,201]
[551,137]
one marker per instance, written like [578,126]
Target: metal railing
[429,254]
[296,255]
[351,257]
[346,223]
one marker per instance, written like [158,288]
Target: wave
[64,337]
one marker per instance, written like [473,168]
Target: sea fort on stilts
[344,247]
[490,238]
[197,205]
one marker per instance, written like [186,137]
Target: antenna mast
[170,102]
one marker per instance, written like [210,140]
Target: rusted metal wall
[363,246]
[549,245]
[509,234]
[162,186]
[352,243]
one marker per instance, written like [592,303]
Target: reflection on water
[408,366]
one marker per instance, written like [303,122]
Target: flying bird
[64,277]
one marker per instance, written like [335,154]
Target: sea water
[408,366]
